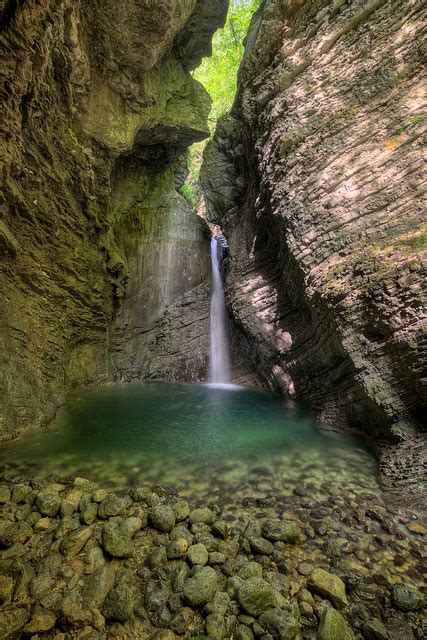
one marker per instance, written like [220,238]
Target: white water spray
[219,369]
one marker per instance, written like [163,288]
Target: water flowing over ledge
[219,365]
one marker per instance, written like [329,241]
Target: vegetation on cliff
[218,74]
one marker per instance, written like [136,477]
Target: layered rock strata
[98,100]
[316,178]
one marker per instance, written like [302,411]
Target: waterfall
[219,369]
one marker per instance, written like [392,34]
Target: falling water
[219,370]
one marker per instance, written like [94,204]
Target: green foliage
[219,72]
[219,76]
[190,193]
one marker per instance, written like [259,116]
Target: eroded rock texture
[317,179]
[99,106]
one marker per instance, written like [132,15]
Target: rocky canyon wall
[317,179]
[99,107]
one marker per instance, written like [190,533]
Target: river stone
[157,558]
[250,570]
[333,626]
[244,633]
[260,545]
[12,623]
[215,557]
[176,548]
[374,630]
[118,604]
[111,506]
[281,624]
[182,620]
[181,509]
[198,554]
[74,542]
[6,588]
[219,603]
[201,588]
[22,493]
[162,517]
[16,533]
[204,515]
[5,494]
[48,502]
[41,586]
[181,531]
[233,585]
[276,530]
[73,612]
[98,585]
[89,513]
[67,507]
[330,586]
[40,623]
[256,596]
[406,597]
[215,626]
[278,581]
[117,538]
[220,529]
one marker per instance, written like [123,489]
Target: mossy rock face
[68,237]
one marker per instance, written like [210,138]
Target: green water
[192,437]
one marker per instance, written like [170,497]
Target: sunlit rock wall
[89,87]
[317,179]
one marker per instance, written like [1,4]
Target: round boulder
[162,517]
[256,596]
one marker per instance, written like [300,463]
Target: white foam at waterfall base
[219,367]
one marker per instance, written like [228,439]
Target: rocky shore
[80,562]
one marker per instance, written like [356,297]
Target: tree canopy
[219,76]
[219,72]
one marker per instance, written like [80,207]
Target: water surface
[199,439]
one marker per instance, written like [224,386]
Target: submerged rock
[40,623]
[98,585]
[334,626]
[5,494]
[406,597]
[256,596]
[48,502]
[162,517]
[201,588]
[110,506]
[119,604]
[281,531]
[12,623]
[281,624]
[330,586]
[374,630]
[117,538]
[260,545]
[74,542]
[16,533]
[198,554]
[204,515]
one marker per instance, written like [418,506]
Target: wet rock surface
[93,142]
[131,576]
[316,180]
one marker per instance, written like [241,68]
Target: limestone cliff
[99,106]
[317,178]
